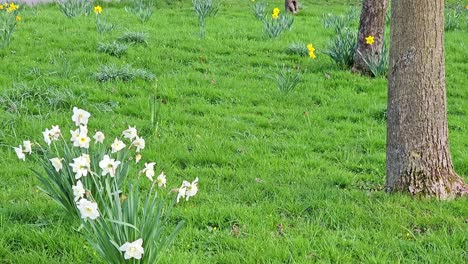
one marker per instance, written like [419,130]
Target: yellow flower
[12,7]
[312,55]
[310,47]
[274,16]
[98,10]
[370,40]
[1,7]
[466,7]
[18,18]
[276,10]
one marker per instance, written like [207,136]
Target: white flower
[27,146]
[81,166]
[47,137]
[139,143]
[74,135]
[161,180]
[99,137]
[130,133]
[78,190]
[88,209]
[57,163]
[82,141]
[108,165]
[192,189]
[137,158]
[133,250]
[80,116]
[149,170]
[187,190]
[19,153]
[118,145]
[55,133]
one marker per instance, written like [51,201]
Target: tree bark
[372,23]
[418,156]
[291,6]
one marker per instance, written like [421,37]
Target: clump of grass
[114,49]
[259,10]
[342,47]
[340,22]
[73,8]
[143,10]
[275,27]
[124,73]
[454,17]
[134,38]
[203,10]
[297,49]
[285,78]
[377,61]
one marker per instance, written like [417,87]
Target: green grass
[312,160]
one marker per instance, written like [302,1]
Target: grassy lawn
[311,161]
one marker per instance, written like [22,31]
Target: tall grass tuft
[114,49]
[297,49]
[275,27]
[74,8]
[124,73]
[134,38]
[342,48]
[377,61]
[286,79]
[203,10]
[142,9]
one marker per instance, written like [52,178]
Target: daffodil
[161,180]
[137,158]
[27,146]
[82,141]
[312,55]
[99,137]
[78,190]
[370,40]
[88,209]
[57,163]
[47,137]
[139,143]
[98,10]
[130,133]
[187,190]
[108,166]
[133,249]
[55,133]
[80,116]
[276,12]
[81,166]
[20,153]
[117,146]
[149,170]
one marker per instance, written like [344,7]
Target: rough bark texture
[291,6]
[372,23]
[418,156]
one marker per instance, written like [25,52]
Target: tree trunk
[291,6]
[372,23]
[418,156]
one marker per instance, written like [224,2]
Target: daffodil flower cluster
[8,20]
[275,14]
[83,172]
[311,50]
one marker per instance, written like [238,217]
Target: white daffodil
[20,153]
[133,249]
[27,146]
[99,137]
[55,133]
[161,180]
[182,190]
[78,190]
[47,137]
[130,133]
[57,163]
[192,189]
[81,166]
[137,158]
[139,143]
[80,116]
[82,141]
[149,170]
[88,209]
[108,165]
[118,145]
[74,135]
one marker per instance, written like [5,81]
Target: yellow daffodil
[1,7]
[370,40]
[310,47]
[274,16]
[12,7]
[18,18]
[98,10]
[312,55]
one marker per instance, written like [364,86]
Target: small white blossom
[55,133]
[80,116]
[99,137]
[161,180]
[57,163]
[82,141]
[81,166]
[27,146]
[149,170]
[133,249]
[88,209]
[118,145]
[182,190]
[187,190]
[137,158]
[139,143]
[78,190]
[108,165]
[20,153]
[74,135]
[47,137]
[130,133]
